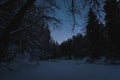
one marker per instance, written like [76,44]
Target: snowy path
[65,70]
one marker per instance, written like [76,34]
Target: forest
[25,30]
[28,50]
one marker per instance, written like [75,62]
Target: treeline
[76,47]
[100,40]
[24,31]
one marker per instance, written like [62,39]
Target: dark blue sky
[65,28]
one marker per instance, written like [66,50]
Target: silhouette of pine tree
[94,35]
[112,18]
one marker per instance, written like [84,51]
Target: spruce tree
[94,35]
[112,18]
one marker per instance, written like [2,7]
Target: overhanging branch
[49,18]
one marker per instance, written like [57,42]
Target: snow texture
[63,70]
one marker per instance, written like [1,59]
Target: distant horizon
[61,35]
[64,31]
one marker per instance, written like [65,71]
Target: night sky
[64,31]
[65,28]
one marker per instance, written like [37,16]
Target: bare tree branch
[41,17]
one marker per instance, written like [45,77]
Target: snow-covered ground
[63,70]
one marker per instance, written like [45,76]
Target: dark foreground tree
[94,35]
[112,19]
[5,37]
[27,30]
